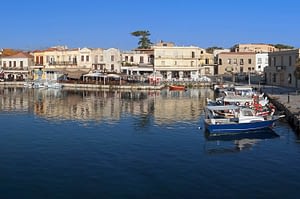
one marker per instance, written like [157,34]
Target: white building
[137,62]
[262,60]
[16,67]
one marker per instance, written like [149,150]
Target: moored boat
[235,119]
[177,87]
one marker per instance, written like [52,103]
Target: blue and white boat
[235,119]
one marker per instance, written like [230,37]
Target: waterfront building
[15,67]
[261,62]
[55,62]
[236,62]
[182,63]
[282,69]
[112,60]
[256,48]
[137,62]
[52,63]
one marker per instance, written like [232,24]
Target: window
[192,63]
[126,58]
[290,78]
[259,61]
[206,61]
[9,63]
[112,58]
[229,61]
[96,59]
[274,77]
[101,58]
[4,63]
[241,61]
[82,58]
[193,54]
[21,64]
[249,61]
[290,60]
[87,58]
[220,61]
[131,59]
[141,59]
[175,63]
[234,61]
[112,67]
[15,63]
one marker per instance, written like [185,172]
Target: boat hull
[178,88]
[238,127]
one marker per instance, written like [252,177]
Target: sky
[33,24]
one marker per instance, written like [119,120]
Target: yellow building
[182,63]
[236,62]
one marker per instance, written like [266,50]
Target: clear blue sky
[34,24]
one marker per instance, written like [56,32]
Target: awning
[113,75]
[76,74]
[94,75]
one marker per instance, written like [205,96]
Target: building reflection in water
[93,105]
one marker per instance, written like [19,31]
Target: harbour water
[143,144]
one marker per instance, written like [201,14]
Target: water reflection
[216,144]
[94,105]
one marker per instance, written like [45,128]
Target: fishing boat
[235,119]
[177,87]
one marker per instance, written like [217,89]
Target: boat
[177,87]
[235,119]
[53,84]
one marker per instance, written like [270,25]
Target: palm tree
[144,42]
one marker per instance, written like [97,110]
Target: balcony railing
[63,63]
[15,68]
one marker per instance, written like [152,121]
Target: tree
[144,42]
[283,46]
[211,49]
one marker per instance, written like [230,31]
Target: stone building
[283,69]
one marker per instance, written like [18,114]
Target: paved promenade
[287,100]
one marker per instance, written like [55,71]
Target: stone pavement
[286,100]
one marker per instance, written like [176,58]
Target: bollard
[288,97]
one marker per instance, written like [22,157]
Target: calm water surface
[100,144]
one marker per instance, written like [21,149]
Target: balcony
[55,63]
[15,68]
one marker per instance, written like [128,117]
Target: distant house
[254,47]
